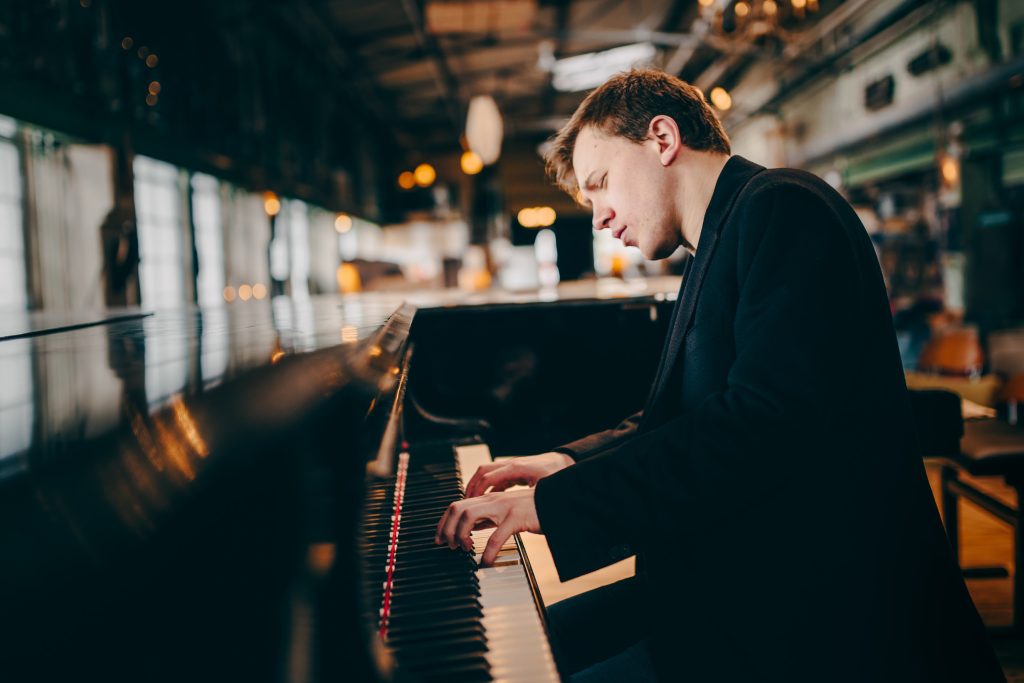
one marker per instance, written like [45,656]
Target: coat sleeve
[797,277]
[592,444]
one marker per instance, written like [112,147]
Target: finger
[500,480]
[455,510]
[477,485]
[476,516]
[497,539]
[439,534]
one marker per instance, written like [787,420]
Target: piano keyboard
[444,617]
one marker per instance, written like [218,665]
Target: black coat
[772,488]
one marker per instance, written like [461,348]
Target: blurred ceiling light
[721,99]
[229,294]
[471,162]
[154,88]
[799,4]
[741,9]
[152,61]
[259,290]
[424,175]
[127,42]
[406,180]
[244,292]
[484,128]
[706,3]
[271,204]
[769,7]
[343,223]
[590,70]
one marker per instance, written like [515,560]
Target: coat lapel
[734,177]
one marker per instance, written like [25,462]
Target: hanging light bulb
[484,128]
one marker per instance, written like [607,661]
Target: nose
[602,217]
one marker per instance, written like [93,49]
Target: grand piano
[249,492]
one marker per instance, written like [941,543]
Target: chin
[656,252]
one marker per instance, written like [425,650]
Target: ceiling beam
[446,82]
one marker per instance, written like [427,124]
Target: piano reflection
[250,492]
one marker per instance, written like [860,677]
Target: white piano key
[518,648]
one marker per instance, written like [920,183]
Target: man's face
[627,186]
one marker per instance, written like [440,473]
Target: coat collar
[736,173]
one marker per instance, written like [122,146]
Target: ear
[664,131]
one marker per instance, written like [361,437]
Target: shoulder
[789,184]
[795,198]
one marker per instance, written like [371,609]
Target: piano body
[250,492]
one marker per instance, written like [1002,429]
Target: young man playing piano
[771,487]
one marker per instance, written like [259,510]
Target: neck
[698,177]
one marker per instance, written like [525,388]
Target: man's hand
[528,469]
[511,512]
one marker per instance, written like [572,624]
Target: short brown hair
[624,105]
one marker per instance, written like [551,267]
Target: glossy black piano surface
[181,492]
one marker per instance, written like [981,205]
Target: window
[209,231]
[13,282]
[158,204]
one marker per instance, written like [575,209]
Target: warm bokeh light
[721,98]
[769,8]
[545,216]
[706,3]
[349,334]
[127,42]
[425,175]
[471,162]
[152,99]
[271,204]
[229,294]
[259,291]
[406,180]
[741,9]
[950,170]
[343,223]
[536,216]
[244,292]
[527,218]
[349,280]
[152,61]
[154,88]
[143,52]
[799,4]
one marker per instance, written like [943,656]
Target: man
[771,488]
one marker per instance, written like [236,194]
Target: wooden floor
[985,542]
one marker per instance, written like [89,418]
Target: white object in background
[546,250]
[484,128]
